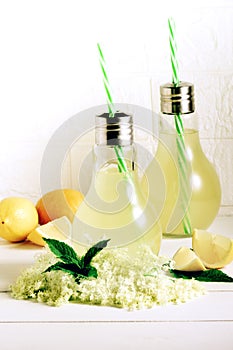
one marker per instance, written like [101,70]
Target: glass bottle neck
[113,158]
[168,134]
[109,183]
[169,123]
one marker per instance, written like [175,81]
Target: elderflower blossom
[133,283]
[54,288]
[123,281]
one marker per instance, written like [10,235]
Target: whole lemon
[58,203]
[18,217]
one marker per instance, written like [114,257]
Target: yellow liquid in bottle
[114,208]
[205,191]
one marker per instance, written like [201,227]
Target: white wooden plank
[214,306]
[15,257]
[115,336]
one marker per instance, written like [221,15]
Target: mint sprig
[70,262]
[211,275]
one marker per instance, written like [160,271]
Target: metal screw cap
[117,130]
[177,99]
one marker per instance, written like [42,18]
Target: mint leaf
[69,268]
[62,250]
[95,249]
[89,271]
[73,270]
[211,275]
[70,262]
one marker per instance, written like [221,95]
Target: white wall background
[49,71]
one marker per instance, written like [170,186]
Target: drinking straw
[111,107]
[112,110]
[182,162]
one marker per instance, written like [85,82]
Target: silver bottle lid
[177,99]
[117,130]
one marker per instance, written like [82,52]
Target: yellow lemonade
[204,195]
[115,209]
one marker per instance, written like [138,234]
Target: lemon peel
[214,250]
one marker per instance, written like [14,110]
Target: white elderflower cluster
[123,281]
[136,283]
[53,288]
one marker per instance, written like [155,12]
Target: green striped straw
[182,162]
[112,110]
[111,107]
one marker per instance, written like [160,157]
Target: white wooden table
[204,323]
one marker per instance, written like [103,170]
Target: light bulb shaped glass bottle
[114,207]
[192,193]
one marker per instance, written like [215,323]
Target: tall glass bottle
[190,195]
[114,207]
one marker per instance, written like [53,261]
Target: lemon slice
[59,229]
[215,251]
[186,260]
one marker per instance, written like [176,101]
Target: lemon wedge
[59,229]
[215,251]
[186,260]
